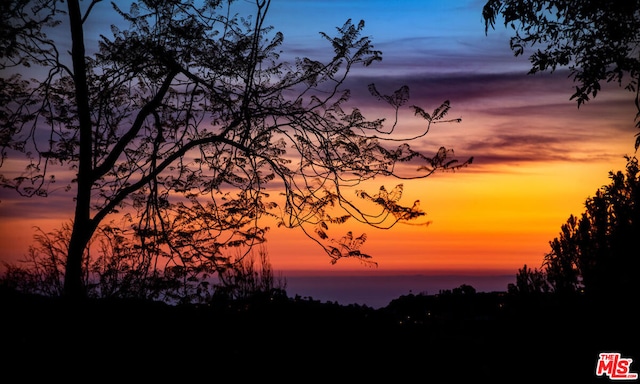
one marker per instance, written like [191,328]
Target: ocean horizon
[379,290]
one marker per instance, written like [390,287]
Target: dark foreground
[482,337]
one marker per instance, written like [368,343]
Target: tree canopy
[596,39]
[180,124]
[598,251]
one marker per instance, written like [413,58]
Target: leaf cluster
[596,40]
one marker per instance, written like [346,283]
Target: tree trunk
[82,224]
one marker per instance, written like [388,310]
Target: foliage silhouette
[489,334]
[180,126]
[530,281]
[596,39]
[598,252]
[120,272]
[247,281]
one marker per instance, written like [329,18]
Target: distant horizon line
[378,291]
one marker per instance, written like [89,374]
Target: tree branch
[147,110]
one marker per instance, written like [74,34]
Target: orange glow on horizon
[481,223]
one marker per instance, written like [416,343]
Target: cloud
[52,207]
[514,118]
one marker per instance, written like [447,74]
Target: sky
[537,156]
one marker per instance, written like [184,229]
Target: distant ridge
[377,291]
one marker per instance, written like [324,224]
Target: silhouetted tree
[599,251]
[529,281]
[181,121]
[563,272]
[119,270]
[464,289]
[116,268]
[596,39]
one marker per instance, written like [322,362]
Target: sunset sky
[537,157]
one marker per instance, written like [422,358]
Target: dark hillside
[483,337]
